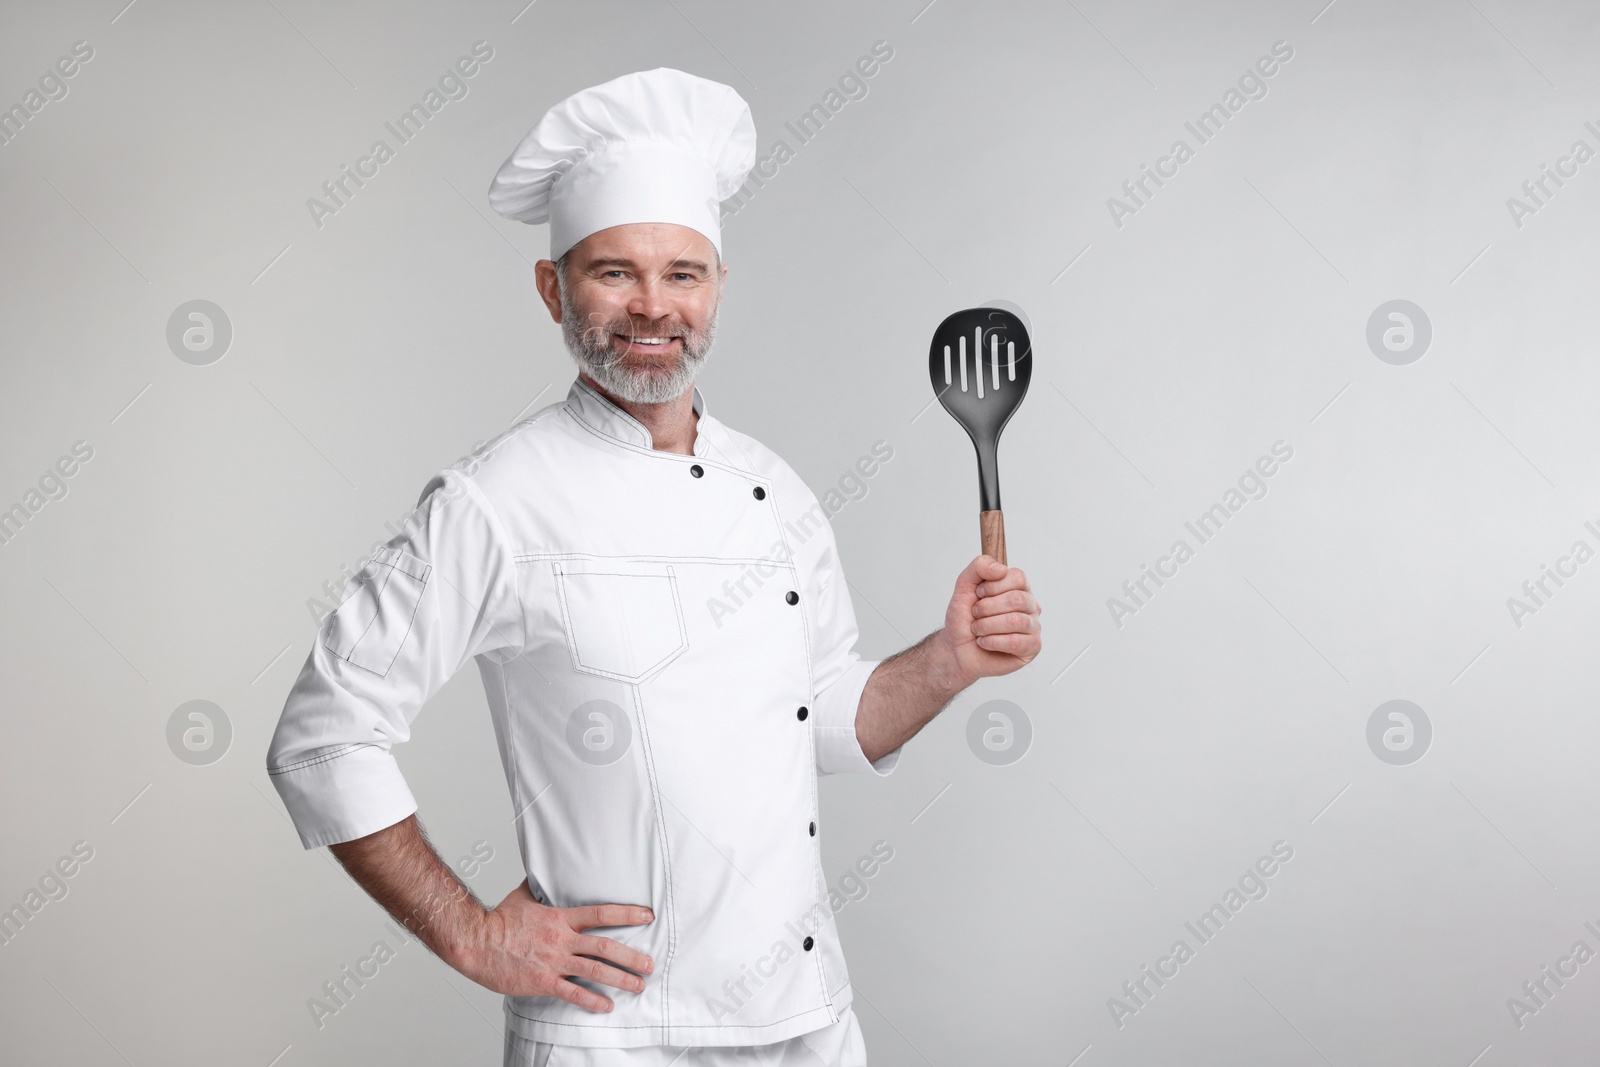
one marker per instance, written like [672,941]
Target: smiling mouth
[647,344]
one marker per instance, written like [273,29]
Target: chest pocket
[623,620]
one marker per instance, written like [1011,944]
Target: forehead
[647,244]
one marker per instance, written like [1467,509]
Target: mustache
[589,341]
[633,328]
[596,337]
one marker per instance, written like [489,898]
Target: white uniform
[667,647]
[839,1045]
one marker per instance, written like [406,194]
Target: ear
[549,286]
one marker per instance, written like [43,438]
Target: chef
[657,608]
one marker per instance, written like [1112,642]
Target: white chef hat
[654,146]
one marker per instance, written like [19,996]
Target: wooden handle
[992,524]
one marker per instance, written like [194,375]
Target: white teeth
[649,340]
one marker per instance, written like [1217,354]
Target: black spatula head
[980,362]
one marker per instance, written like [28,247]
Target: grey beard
[591,348]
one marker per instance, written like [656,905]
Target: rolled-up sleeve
[440,592]
[840,672]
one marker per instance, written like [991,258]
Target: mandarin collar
[601,414]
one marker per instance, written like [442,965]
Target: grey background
[1167,755]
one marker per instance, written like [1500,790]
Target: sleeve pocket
[369,627]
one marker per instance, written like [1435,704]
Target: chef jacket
[666,642]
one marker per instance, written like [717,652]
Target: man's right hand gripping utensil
[980,362]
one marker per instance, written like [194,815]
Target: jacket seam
[536,557]
[656,453]
[314,760]
[666,860]
[657,1026]
[510,432]
[377,596]
[492,515]
[511,746]
[742,450]
[605,403]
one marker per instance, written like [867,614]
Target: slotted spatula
[980,362]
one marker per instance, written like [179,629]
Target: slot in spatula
[980,362]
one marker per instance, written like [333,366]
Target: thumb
[987,568]
[521,894]
[982,569]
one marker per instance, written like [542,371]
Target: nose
[649,300]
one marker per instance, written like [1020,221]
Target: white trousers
[838,1045]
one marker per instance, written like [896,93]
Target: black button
[792,597]
[807,943]
[761,494]
[697,470]
[813,829]
[801,714]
